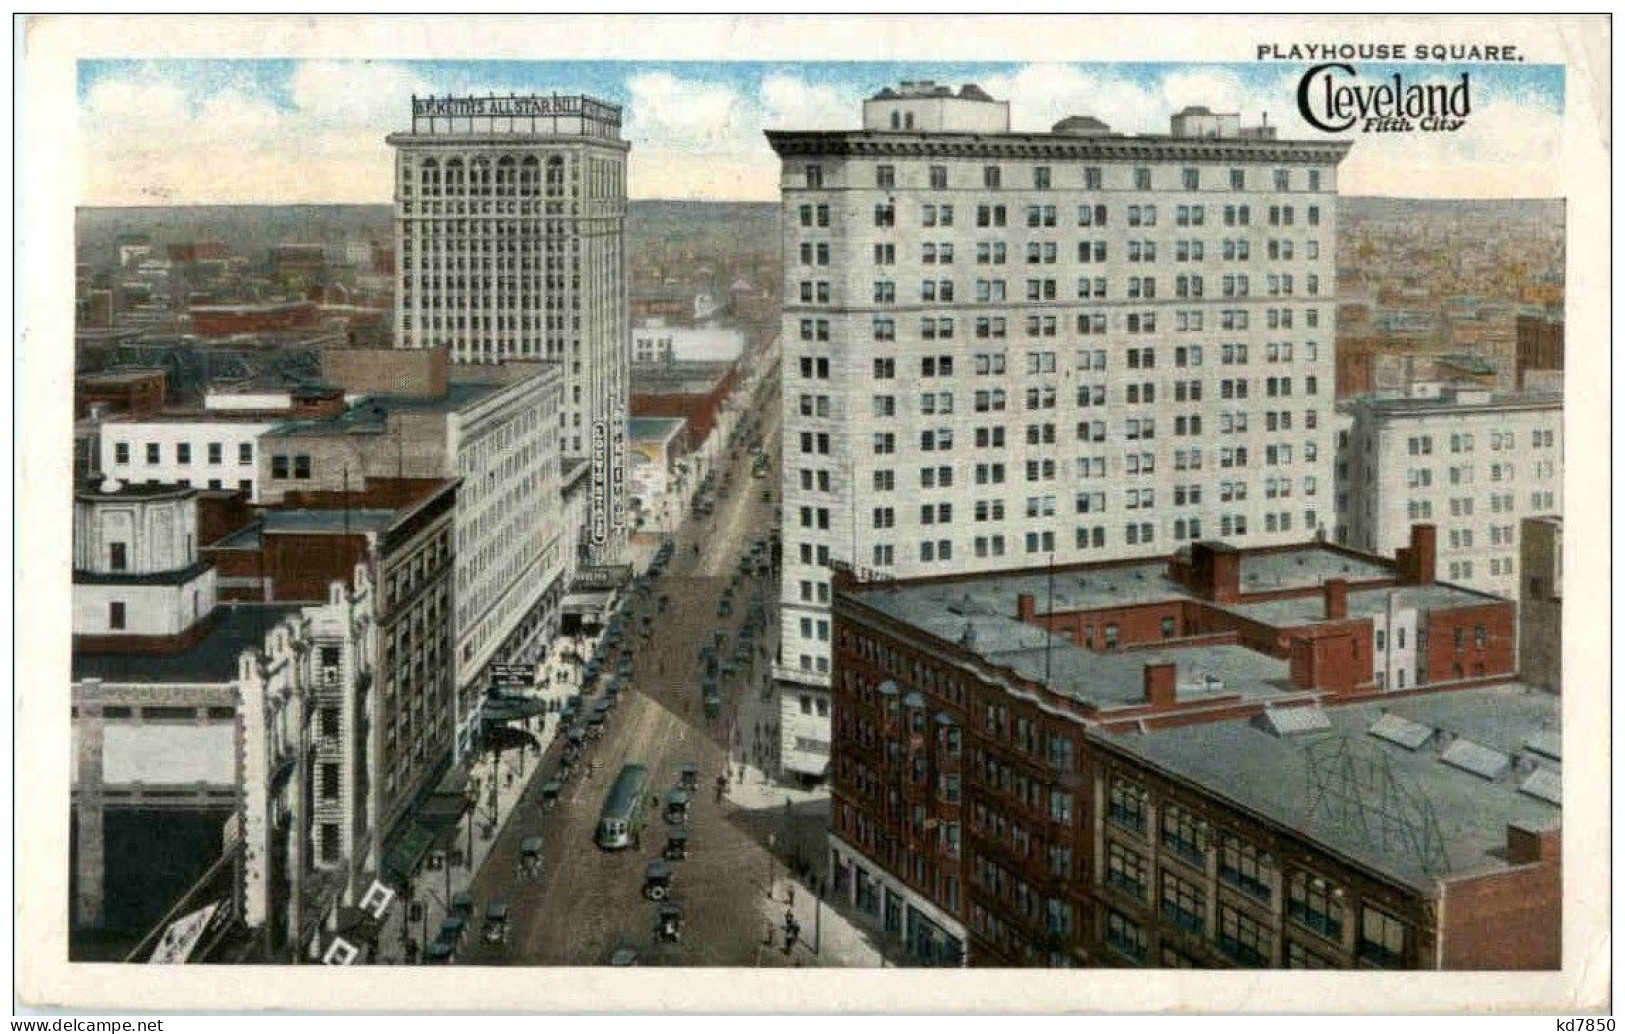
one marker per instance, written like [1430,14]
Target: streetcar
[622,817]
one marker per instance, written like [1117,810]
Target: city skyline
[696,128]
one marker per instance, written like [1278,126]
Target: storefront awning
[496,710]
[406,853]
[506,737]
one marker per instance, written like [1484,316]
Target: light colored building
[1540,605]
[251,719]
[1473,462]
[656,341]
[510,218]
[496,428]
[1005,347]
[203,449]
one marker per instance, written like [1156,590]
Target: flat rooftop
[1504,774]
[1305,567]
[212,659]
[1117,679]
[307,522]
[1364,603]
[369,414]
[654,428]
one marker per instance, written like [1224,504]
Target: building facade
[1138,354]
[510,232]
[1540,603]
[1473,462]
[1195,762]
[496,428]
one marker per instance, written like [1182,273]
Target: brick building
[1539,342]
[1540,603]
[983,724]
[691,391]
[217,321]
[134,391]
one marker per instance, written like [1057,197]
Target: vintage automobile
[689,777]
[657,881]
[550,794]
[496,923]
[530,858]
[669,923]
[676,845]
[676,810]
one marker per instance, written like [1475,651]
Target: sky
[312,132]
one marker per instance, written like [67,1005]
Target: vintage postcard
[850,513]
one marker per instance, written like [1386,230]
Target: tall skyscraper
[1006,348]
[510,229]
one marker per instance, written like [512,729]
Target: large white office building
[510,243]
[1002,348]
[1470,461]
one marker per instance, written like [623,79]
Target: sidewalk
[497,787]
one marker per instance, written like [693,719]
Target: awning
[406,853]
[506,737]
[587,602]
[511,709]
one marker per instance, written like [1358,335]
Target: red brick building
[217,321]
[137,392]
[1540,344]
[692,391]
[199,251]
[1182,764]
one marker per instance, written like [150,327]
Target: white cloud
[789,102]
[687,115]
[146,140]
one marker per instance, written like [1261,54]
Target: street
[587,902]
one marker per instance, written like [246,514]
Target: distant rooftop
[212,659]
[1497,764]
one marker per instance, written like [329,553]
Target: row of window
[1191,177]
[214,452]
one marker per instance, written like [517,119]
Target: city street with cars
[682,682]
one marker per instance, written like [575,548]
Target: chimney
[1417,561]
[1217,570]
[1026,607]
[1526,846]
[1159,684]
[1336,593]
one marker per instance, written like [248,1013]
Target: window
[115,614]
[301,465]
[1316,904]
[216,453]
[1127,803]
[1382,938]
[1243,938]
[990,177]
[1125,870]
[1184,835]
[1242,866]
[279,465]
[939,177]
[885,177]
[1190,178]
[118,558]
[1125,935]
[815,177]
[1183,903]
[245,454]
